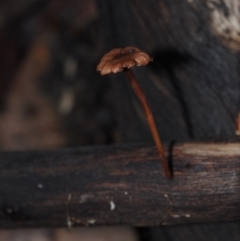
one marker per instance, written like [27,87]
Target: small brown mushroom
[122,60]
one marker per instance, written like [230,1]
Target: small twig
[169,210]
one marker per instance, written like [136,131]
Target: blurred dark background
[50,93]
[51,96]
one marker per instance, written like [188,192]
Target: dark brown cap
[118,59]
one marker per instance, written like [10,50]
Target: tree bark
[122,184]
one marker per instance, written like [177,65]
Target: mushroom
[122,59]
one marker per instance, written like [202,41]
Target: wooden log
[122,184]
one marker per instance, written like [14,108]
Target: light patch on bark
[214,149]
[85,197]
[112,206]
[225,20]
[91,221]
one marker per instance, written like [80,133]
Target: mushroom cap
[118,59]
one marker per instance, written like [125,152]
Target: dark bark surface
[120,185]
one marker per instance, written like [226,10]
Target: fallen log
[122,184]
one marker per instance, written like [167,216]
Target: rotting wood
[122,184]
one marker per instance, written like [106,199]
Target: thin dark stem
[148,113]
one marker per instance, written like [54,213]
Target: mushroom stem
[148,113]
